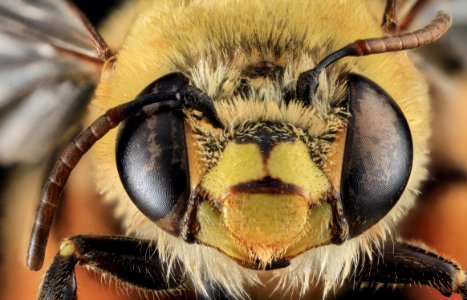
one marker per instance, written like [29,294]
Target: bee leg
[402,263]
[131,261]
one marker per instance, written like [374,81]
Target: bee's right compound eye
[152,159]
[378,155]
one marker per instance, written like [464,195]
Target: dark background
[96,10]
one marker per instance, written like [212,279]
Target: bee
[253,138]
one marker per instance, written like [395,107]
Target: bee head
[268,190]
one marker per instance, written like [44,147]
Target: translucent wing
[50,60]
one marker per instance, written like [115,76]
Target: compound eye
[378,155]
[152,159]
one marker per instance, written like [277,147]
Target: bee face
[265,188]
[275,185]
[267,195]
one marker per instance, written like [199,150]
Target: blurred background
[438,220]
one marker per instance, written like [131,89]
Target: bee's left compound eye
[378,155]
[152,159]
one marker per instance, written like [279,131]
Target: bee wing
[54,22]
[50,60]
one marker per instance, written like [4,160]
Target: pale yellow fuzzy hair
[212,41]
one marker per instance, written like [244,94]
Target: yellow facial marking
[212,232]
[272,220]
[265,205]
[291,163]
[316,231]
[239,163]
[288,239]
